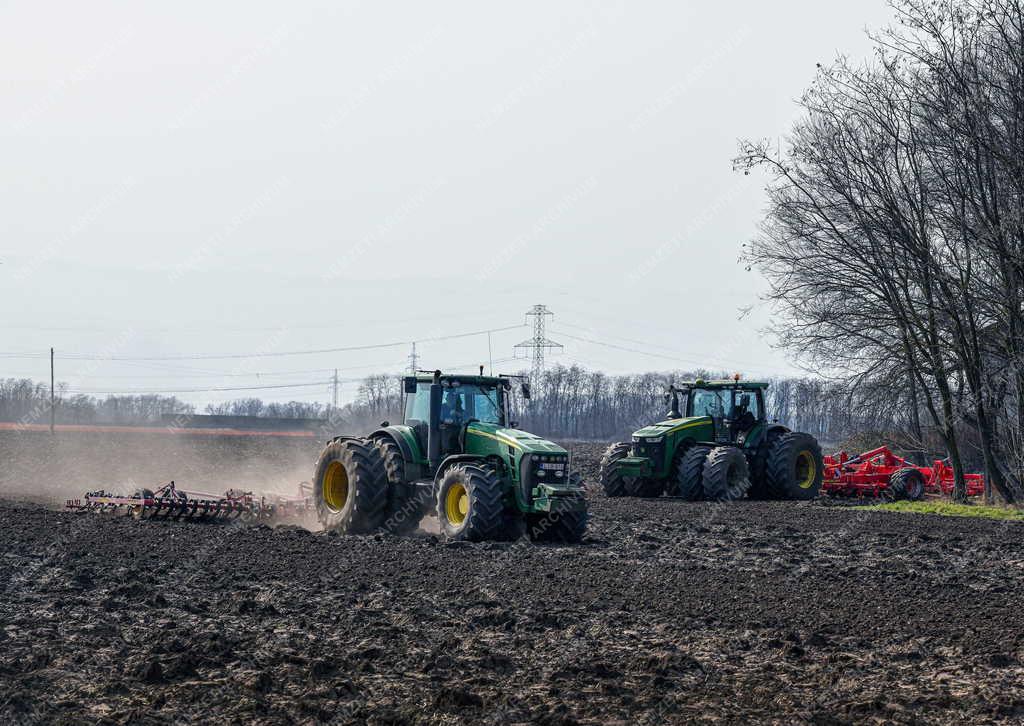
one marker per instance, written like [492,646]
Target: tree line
[894,237]
[569,402]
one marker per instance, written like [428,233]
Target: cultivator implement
[881,473]
[170,502]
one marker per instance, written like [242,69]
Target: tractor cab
[734,407]
[448,404]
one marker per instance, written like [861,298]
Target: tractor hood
[522,441]
[671,426]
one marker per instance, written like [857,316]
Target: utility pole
[490,356]
[52,400]
[334,393]
[539,342]
[414,361]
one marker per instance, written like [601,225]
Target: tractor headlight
[655,439]
[637,439]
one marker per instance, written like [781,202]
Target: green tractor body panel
[655,445]
[538,475]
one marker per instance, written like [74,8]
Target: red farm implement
[880,473]
[170,502]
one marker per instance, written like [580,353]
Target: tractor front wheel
[612,480]
[350,486]
[470,503]
[795,467]
[688,476]
[726,474]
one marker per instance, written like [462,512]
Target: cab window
[710,402]
[417,405]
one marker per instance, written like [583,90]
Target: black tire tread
[612,482]
[487,509]
[715,475]
[779,468]
[558,527]
[689,473]
[406,505]
[368,480]
[899,484]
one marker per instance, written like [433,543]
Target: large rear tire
[350,486]
[470,504]
[613,482]
[407,503]
[726,474]
[795,467]
[687,480]
[907,484]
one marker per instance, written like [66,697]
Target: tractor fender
[341,437]
[450,461]
[413,470]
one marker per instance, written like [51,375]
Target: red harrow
[169,502]
[880,473]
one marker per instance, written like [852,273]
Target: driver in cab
[451,409]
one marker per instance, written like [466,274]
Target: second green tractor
[717,445]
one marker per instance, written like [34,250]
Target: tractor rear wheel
[906,484]
[795,467]
[350,486]
[407,503]
[687,480]
[726,474]
[470,503]
[612,480]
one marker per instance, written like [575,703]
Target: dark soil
[668,613]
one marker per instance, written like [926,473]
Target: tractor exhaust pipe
[434,425]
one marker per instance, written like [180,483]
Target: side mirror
[410,384]
[526,391]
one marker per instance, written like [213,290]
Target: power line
[265,354]
[677,358]
[131,392]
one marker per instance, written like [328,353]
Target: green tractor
[721,447]
[459,456]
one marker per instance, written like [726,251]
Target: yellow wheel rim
[806,470]
[335,486]
[456,504]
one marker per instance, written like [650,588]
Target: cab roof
[724,383]
[468,378]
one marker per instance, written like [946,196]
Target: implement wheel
[406,504]
[726,474]
[688,474]
[350,486]
[907,484]
[470,503]
[795,467]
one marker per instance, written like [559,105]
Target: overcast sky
[189,179]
